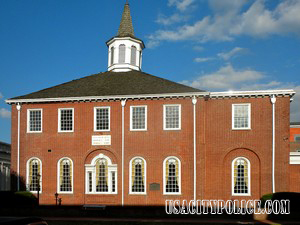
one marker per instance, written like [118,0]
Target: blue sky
[209,44]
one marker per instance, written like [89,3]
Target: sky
[208,44]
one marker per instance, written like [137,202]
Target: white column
[123,103]
[273,101]
[18,160]
[194,101]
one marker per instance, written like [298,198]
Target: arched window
[122,53]
[172,175]
[240,176]
[133,55]
[65,175]
[112,55]
[137,176]
[101,176]
[34,175]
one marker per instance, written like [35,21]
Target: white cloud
[233,52]
[198,48]
[229,78]
[233,18]
[181,5]
[4,113]
[225,78]
[175,18]
[199,60]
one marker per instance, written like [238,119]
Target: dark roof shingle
[112,84]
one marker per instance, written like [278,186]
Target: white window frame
[164,176]
[28,120]
[92,168]
[232,177]
[59,121]
[249,116]
[27,175]
[95,118]
[145,177]
[164,116]
[146,117]
[58,176]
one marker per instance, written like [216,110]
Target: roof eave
[228,94]
[126,38]
[116,97]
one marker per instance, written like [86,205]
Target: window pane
[172,176]
[112,55]
[241,116]
[90,181]
[102,178]
[138,118]
[121,53]
[133,55]
[66,119]
[240,177]
[102,119]
[35,120]
[138,176]
[34,173]
[113,181]
[172,120]
[65,175]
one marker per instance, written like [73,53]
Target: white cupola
[125,50]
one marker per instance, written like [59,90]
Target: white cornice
[289,92]
[227,94]
[126,38]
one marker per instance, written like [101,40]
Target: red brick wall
[217,146]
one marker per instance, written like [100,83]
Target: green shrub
[266,197]
[25,194]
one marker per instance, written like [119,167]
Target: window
[122,54]
[101,176]
[138,118]
[241,116]
[133,55]
[112,55]
[297,138]
[34,120]
[65,176]
[65,120]
[101,118]
[34,175]
[240,176]
[137,180]
[172,176]
[172,117]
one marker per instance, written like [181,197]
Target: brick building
[4,166]
[124,137]
[295,156]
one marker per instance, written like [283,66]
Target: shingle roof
[126,28]
[112,84]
